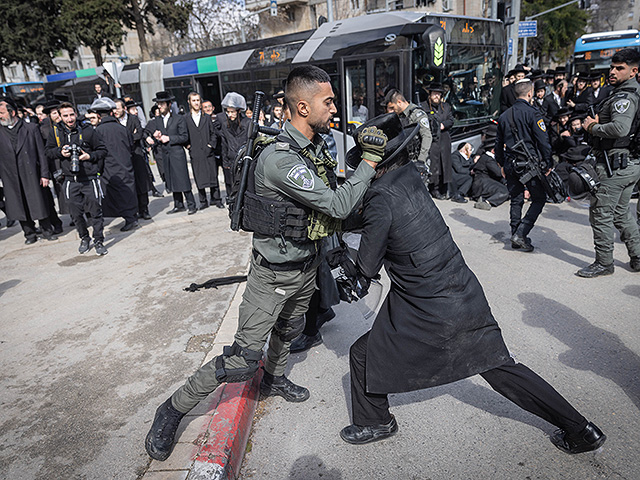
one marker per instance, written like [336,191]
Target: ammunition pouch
[618,160]
[275,218]
[234,375]
[286,329]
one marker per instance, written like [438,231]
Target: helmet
[234,100]
[582,179]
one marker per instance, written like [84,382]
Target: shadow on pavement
[311,467]
[633,290]
[9,284]
[590,348]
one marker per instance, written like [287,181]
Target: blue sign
[528,29]
[510,47]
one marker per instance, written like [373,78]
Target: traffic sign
[528,29]
[274,8]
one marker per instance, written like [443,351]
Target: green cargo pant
[269,301]
[610,208]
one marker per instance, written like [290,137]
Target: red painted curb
[220,456]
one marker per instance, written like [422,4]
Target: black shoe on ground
[49,236]
[590,438]
[358,435]
[57,230]
[219,205]
[192,211]
[31,240]
[459,199]
[596,269]
[144,215]
[203,205]
[130,226]
[281,386]
[72,223]
[305,342]
[324,317]
[85,245]
[159,441]
[439,196]
[157,194]
[11,223]
[635,264]
[176,210]
[100,248]
[520,243]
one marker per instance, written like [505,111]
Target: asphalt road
[90,346]
[583,336]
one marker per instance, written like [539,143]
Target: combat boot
[358,435]
[596,269]
[635,264]
[521,243]
[590,438]
[159,441]
[283,387]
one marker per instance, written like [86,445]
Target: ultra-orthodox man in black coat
[138,159]
[202,144]
[117,179]
[21,170]
[488,182]
[171,155]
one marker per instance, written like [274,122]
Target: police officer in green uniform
[609,133]
[410,115]
[289,175]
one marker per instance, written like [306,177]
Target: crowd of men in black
[97,165]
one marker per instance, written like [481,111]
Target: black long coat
[440,152]
[21,170]
[202,144]
[233,136]
[487,178]
[171,155]
[435,325]
[138,158]
[117,179]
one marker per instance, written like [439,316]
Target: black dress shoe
[157,194]
[31,240]
[324,317]
[203,206]
[159,441]
[192,211]
[590,438]
[130,226]
[596,269]
[282,387]
[57,230]
[439,196]
[520,243]
[358,435]
[49,236]
[10,223]
[219,205]
[459,199]
[176,210]
[635,264]
[145,215]
[305,342]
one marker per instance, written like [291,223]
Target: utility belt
[618,161]
[80,179]
[287,266]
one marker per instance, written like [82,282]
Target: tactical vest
[287,219]
[628,141]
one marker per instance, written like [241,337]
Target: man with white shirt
[169,135]
[202,143]
[555,101]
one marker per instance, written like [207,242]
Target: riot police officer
[610,137]
[289,175]
[410,115]
[525,122]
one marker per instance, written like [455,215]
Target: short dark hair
[522,87]
[630,56]
[303,78]
[65,105]
[394,96]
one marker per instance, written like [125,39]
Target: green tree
[142,15]
[97,24]
[557,31]
[29,33]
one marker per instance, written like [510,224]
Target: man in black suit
[508,96]
[202,144]
[555,101]
[169,134]
[461,163]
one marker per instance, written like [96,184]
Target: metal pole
[515,7]
[524,49]
[329,11]
[494,8]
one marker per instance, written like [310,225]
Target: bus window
[356,92]
[386,78]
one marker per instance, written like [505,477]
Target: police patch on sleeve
[301,176]
[542,126]
[622,106]
[424,122]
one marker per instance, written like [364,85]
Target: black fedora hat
[132,103]
[435,87]
[576,154]
[163,96]
[398,138]
[561,112]
[49,106]
[539,85]
[9,101]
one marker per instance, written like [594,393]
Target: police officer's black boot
[596,269]
[283,387]
[159,441]
[635,264]
[590,438]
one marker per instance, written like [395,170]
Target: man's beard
[321,128]
[6,123]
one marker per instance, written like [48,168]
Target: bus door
[210,90]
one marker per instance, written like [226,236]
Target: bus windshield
[26,93]
[593,52]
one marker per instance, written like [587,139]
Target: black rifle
[607,163]
[527,166]
[246,158]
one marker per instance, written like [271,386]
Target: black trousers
[53,215]
[178,200]
[215,195]
[513,381]
[29,226]
[85,198]
[461,184]
[228,180]
[519,224]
